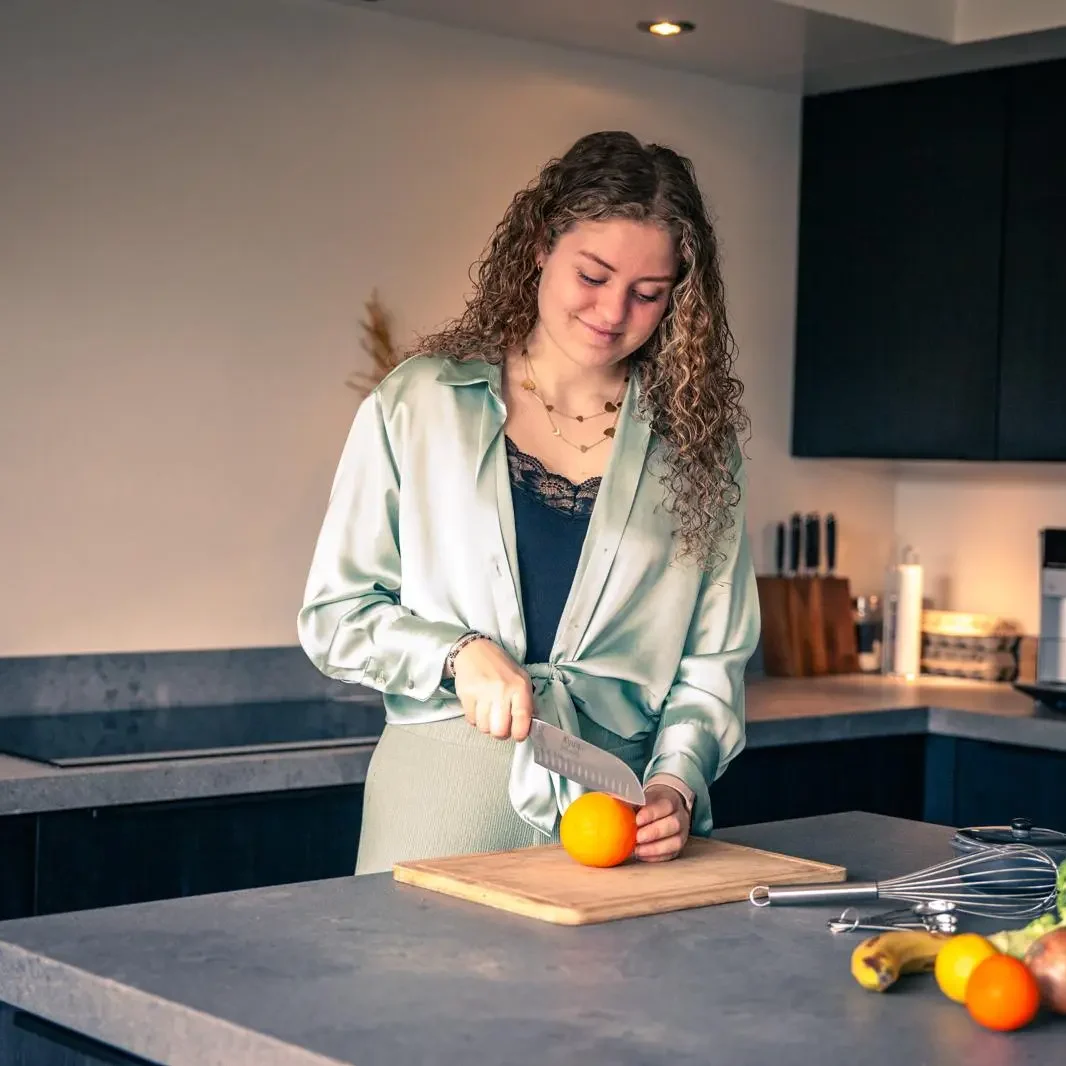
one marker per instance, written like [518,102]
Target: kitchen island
[365,972]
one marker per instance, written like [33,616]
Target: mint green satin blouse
[418,546]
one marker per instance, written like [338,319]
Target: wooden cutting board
[545,883]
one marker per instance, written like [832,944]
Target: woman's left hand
[662,825]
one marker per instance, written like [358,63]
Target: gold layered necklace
[610,407]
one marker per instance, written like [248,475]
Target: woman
[540,512]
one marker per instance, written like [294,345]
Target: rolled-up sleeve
[701,724]
[352,625]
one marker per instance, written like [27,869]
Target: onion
[1046,960]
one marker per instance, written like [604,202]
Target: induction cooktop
[99,737]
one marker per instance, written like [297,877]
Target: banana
[879,961]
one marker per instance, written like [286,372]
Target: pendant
[609,432]
[529,386]
[549,407]
[610,408]
[584,447]
[556,433]
[580,418]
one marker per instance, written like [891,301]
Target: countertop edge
[1047,734]
[28,788]
[151,1026]
[845,725]
[184,779]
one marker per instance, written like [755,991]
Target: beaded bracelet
[466,638]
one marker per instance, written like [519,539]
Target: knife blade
[584,763]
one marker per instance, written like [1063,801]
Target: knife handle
[831,543]
[794,544]
[814,547]
[779,549]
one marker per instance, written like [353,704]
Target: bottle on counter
[901,647]
[868,624]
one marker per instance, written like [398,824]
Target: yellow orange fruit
[598,830]
[957,960]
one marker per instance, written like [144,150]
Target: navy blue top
[551,516]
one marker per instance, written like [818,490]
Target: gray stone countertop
[365,972]
[779,711]
[28,787]
[803,710]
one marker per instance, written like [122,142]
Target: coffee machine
[1050,686]
[1051,651]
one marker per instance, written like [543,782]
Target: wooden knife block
[808,629]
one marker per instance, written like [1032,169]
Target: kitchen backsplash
[49,684]
[71,683]
[977,532]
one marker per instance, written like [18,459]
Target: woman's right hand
[496,693]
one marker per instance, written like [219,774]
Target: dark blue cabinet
[993,783]
[931,283]
[882,775]
[105,856]
[927,778]
[17,874]
[1033,367]
[899,270]
[26,1040]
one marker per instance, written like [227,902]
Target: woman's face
[604,288]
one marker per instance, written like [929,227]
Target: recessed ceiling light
[666,28]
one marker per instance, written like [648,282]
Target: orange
[1002,993]
[598,830]
[957,960]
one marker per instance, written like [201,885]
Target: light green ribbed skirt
[441,789]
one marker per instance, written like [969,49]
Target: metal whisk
[1011,881]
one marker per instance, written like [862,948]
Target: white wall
[198,196]
[978,20]
[976,528]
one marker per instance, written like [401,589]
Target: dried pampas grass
[378,344]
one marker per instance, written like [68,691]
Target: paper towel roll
[908,651]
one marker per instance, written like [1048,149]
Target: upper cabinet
[929,285]
[1032,382]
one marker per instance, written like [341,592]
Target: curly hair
[689,393]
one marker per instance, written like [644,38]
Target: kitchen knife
[813,544]
[584,763]
[779,550]
[794,545]
[830,543]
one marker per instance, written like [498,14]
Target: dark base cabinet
[17,849]
[113,855]
[26,1040]
[881,775]
[105,856]
[993,783]
[926,778]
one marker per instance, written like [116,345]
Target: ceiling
[808,46]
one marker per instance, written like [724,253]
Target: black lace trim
[553,490]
